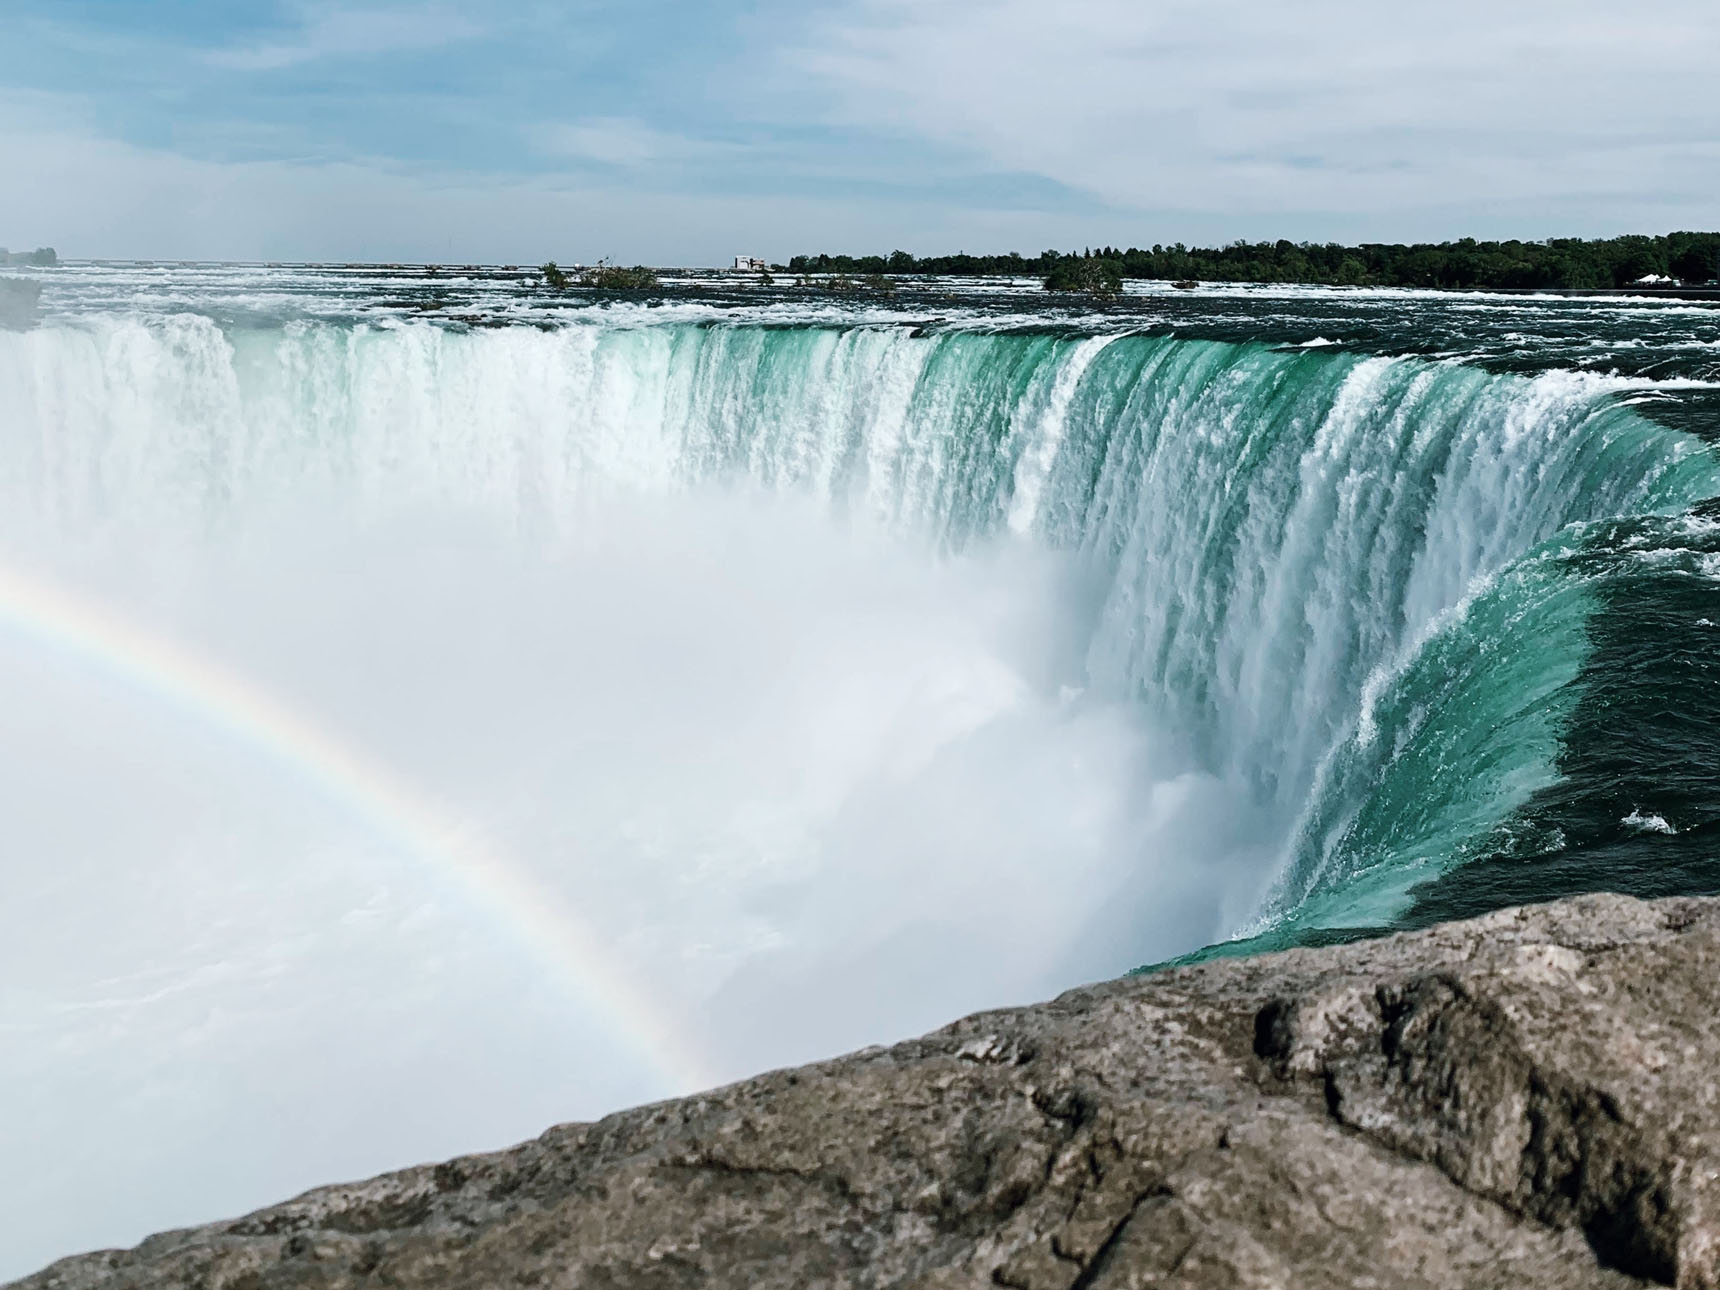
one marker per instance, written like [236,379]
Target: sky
[683,132]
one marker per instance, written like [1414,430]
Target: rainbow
[451,850]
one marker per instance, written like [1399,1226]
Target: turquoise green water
[1351,583]
[848,666]
[1356,585]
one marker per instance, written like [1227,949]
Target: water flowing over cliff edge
[835,676]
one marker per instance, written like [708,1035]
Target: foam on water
[852,676]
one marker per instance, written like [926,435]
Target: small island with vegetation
[1574,264]
[601,276]
[43,257]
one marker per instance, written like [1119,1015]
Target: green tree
[612,277]
[1092,275]
[1696,264]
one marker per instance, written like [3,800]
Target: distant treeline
[42,257]
[1690,258]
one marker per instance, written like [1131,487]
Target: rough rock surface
[1525,1100]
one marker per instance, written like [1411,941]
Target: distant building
[747,264]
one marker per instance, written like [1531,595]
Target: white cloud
[627,142]
[1165,119]
[332,31]
[94,197]
[1331,105]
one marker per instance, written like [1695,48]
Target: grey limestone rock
[1525,1100]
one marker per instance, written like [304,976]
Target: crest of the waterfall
[1260,536]
[846,677]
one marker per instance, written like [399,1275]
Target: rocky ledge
[1525,1100]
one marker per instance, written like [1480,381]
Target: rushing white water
[849,678]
